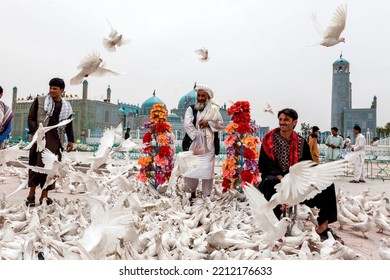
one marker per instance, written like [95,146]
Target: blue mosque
[134,116]
[343,116]
[91,117]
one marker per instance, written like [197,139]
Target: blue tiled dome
[187,100]
[148,104]
[341,61]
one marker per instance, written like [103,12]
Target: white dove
[268,109]
[52,167]
[114,40]
[91,65]
[11,153]
[383,249]
[381,222]
[39,135]
[204,54]
[272,228]
[331,35]
[304,181]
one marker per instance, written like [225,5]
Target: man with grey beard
[206,116]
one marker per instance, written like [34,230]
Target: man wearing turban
[202,120]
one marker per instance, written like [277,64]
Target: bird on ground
[331,34]
[381,222]
[268,109]
[114,40]
[91,65]
[383,249]
[39,135]
[363,227]
[204,54]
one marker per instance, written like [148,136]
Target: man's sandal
[48,201]
[30,201]
[324,235]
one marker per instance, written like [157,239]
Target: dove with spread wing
[204,53]
[91,65]
[114,40]
[52,167]
[39,135]
[268,109]
[273,229]
[304,181]
[331,34]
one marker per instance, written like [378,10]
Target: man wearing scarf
[49,110]
[281,148]
[205,115]
[6,116]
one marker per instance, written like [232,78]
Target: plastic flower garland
[242,152]
[157,159]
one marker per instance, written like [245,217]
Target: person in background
[359,150]
[49,110]
[335,144]
[127,133]
[6,117]
[313,144]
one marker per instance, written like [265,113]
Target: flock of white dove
[114,216]
[93,64]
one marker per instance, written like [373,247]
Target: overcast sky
[259,51]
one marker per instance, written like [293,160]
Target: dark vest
[187,140]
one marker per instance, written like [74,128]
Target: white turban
[206,89]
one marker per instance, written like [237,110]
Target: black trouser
[325,200]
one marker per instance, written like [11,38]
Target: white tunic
[213,116]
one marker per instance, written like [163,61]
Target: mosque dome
[148,104]
[187,100]
[122,111]
[341,61]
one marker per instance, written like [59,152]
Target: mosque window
[106,116]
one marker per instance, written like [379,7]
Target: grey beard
[200,106]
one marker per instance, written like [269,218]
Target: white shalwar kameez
[204,171]
[359,151]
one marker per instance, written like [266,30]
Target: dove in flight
[39,135]
[114,40]
[331,34]
[268,109]
[272,228]
[304,181]
[91,65]
[204,54]
[52,167]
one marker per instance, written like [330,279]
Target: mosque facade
[91,117]
[343,116]
[134,116]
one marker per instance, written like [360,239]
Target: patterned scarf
[66,109]
[7,116]
[268,145]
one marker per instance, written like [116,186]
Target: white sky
[259,51]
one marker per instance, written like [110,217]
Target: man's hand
[69,147]
[203,123]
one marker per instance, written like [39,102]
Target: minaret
[108,94]
[14,94]
[341,93]
[85,90]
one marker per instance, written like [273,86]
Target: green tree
[305,127]
[383,130]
